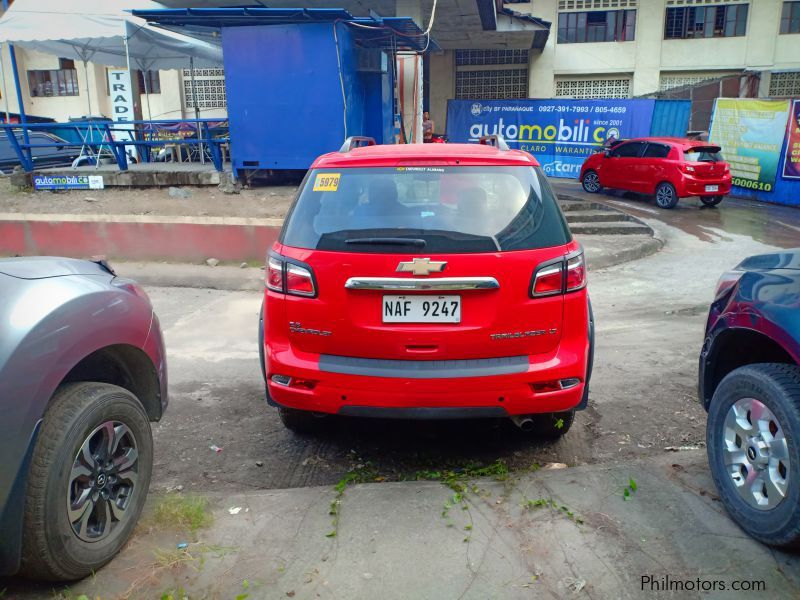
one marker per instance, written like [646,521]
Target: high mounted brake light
[560,277]
[290,278]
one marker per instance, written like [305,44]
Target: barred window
[790,17]
[210,85]
[497,84]
[152,79]
[491,57]
[784,85]
[596,26]
[504,77]
[705,21]
[56,82]
[619,87]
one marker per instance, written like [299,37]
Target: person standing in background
[427,127]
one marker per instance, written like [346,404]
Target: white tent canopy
[103,32]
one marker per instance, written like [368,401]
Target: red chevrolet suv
[669,168]
[427,281]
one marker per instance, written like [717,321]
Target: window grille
[678,80]
[784,85]
[492,84]
[491,57]
[210,84]
[595,4]
[618,87]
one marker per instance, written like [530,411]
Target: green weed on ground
[551,504]
[363,473]
[184,512]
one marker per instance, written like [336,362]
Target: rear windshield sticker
[326,182]
[422,169]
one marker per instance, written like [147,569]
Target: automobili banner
[559,133]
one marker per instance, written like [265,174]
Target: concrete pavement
[567,533]
[392,539]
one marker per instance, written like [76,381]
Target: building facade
[630,48]
[61,89]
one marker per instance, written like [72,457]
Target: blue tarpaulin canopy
[385,33]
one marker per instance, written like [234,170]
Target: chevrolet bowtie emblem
[422,266]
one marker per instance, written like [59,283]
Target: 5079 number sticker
[326,182]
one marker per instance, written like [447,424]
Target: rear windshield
[702,154]
[425,209]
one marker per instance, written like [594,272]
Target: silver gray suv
[82,374]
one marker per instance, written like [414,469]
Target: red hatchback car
[427,281]
[669,168]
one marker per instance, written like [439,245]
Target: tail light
[687,168]
[576,273]
[549,280]
[290,277]
[567,275]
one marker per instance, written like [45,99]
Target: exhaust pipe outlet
[524,422]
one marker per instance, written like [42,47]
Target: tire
[774,518]
[666,196]
[591,182]
[545,425]
[52,546]
[301,422]
[711,200]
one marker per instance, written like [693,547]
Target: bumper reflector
[555,385]
[281,379]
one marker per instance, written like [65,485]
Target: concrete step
[612,228]
[595,216]
[575,205]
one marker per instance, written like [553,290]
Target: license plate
[421,309]
[712,188]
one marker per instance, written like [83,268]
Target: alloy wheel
[756,454]
[664,195]
[591,182]
[102,481]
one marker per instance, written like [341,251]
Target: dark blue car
[750,386]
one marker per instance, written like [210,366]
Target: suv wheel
[666,196]
[711,200]
[591,182]
[88,481]
[753,435]
[551,426]
[302,422]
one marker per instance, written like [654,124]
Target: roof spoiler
[356,141]
[494,140]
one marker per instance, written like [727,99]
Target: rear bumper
[693,186]
[426,393]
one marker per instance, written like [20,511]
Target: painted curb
[185,239]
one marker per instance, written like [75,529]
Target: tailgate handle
[437,284]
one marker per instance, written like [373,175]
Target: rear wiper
[387,241]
